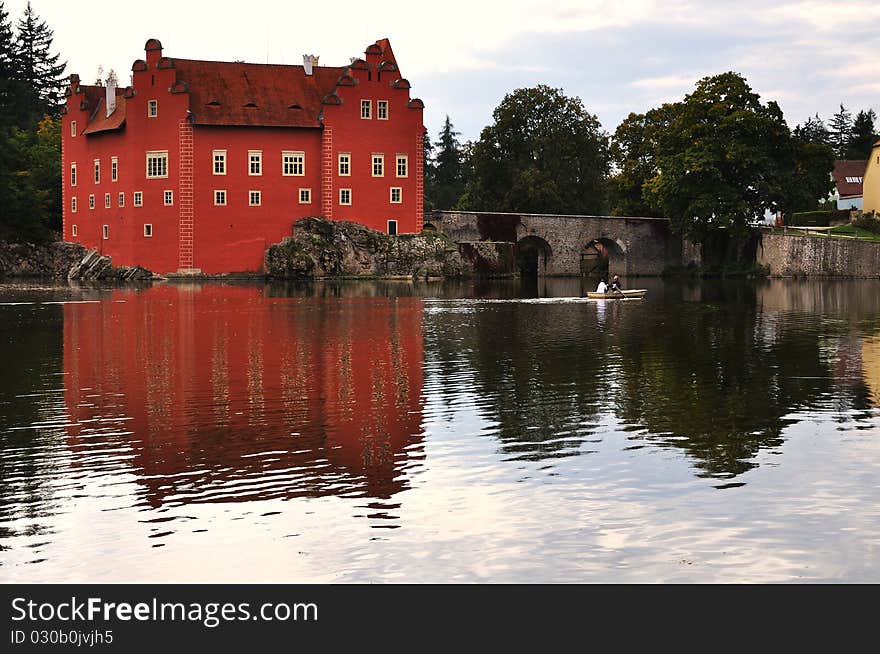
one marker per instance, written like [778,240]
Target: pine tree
[429,172]
[840,130]
[449,180]
[9,73]
[863,135]
[813,131]
[40,69]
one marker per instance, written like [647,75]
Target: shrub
[816,218]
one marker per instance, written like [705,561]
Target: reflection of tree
[531,371]
[719,378]
[702,377]
[29,403]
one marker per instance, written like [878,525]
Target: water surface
[488,431]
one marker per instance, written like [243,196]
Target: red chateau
[199,166]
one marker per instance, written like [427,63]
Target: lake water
[477,432]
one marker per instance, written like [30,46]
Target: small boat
[635,293]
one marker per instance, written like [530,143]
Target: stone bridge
[572,245]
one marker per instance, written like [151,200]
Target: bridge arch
[532,255]
[602,256]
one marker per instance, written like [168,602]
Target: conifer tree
[840,128]
[863,135]
[813,131]
[39,67]
[449,181]
[9,73]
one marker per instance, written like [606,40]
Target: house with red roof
[848,176]
[199,166]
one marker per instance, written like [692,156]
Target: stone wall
[816,256]
[636,246]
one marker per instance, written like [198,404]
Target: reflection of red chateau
[222,394]
[200,165]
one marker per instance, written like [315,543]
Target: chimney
[309,62]
[111,93]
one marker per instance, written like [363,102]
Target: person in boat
[602,287]
[615,285]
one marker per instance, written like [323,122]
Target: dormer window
[250,105]
[294,106]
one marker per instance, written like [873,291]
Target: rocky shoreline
[319,249]
[62,260]
[322,248]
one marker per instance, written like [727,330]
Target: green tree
[724,158]
[10,82]
[840,131]
[813,131]
[24,197]
[543,154]
[39,67]
[862,136]
[448,178]
[806,181]
[634,155]
[428,160]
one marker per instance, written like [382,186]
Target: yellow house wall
[871,182]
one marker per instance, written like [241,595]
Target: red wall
[127,244]
[235,237]
[401,133]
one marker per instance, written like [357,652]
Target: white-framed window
[305,196]
[122,199]
[73,230]
[378,165]
[152,108]
[293,164]
[105,229]
[114,169]
[157,164]
[219,162]
[73,174]
[344,164]
[73,205]
[92,201]
[148,230]
[138,198]
[219,198]
[255,198]
[366,109]
[382,109]
[255,162]
[97,171]
[106,200]
[392,227]
[402,165]
[345,196]
[169,198]
[396,195]
[73,132]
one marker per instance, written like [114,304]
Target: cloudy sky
[463,56]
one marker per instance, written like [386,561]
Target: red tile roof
[234,93]
[848,176]
[101,122]
[223,93]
